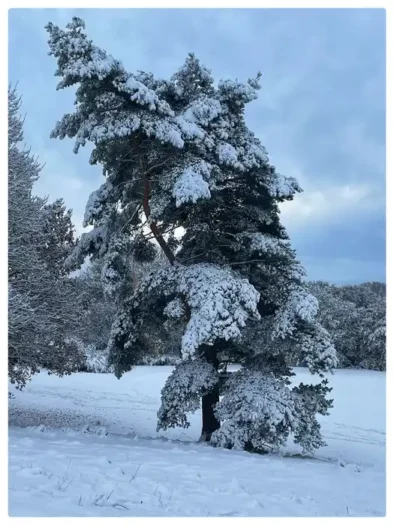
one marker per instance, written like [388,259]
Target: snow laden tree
[40,302]
[59,232]
[177,156]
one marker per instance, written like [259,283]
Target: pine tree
[178,154]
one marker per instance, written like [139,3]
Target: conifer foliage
[177,155]
[41,301]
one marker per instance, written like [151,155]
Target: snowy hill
[86,445]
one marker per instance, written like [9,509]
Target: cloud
[330,204]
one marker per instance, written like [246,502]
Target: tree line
[355,316]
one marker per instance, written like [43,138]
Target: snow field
[86,445]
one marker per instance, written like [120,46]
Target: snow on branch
[283,187]
[257,411]
[96,204]
[191,185]
[174,309]
[300,305]
[317,350]
[233,90]
[220,301]
[76,55]
[227,155]
[89,243]
[265,243]
[203,111]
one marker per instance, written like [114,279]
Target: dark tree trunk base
[209,421]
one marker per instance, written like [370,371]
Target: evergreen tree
[178,154]
[41,305]
[59,231]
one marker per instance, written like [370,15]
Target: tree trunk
[153,226]
[209,421]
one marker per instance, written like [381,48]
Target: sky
[320,112]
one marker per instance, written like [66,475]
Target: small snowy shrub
[96,360]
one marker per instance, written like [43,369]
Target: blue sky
[321,111]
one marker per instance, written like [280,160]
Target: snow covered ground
[86,445]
